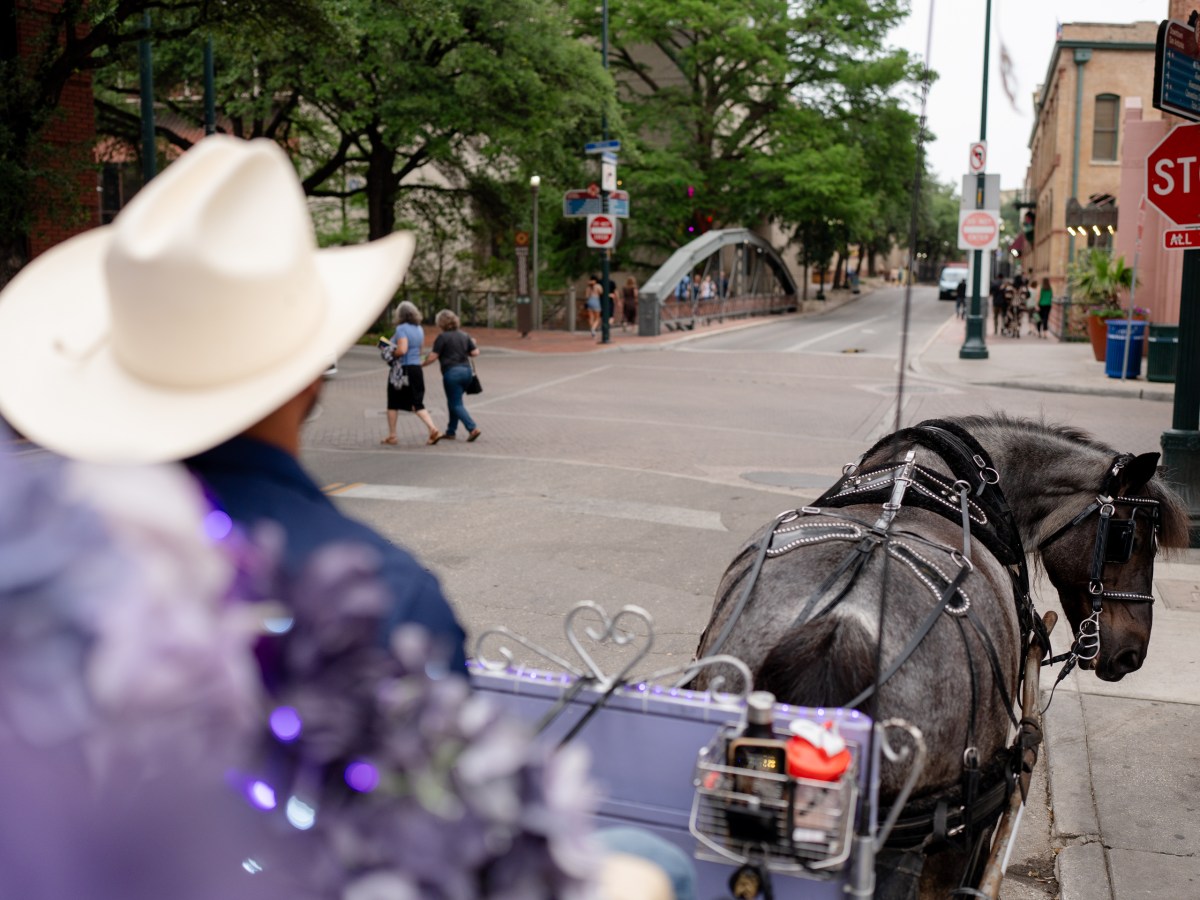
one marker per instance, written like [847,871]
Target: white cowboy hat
[203,307]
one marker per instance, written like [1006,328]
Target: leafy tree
[745,111]
[83,35]
[430,114]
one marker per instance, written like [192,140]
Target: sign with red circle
[1173,176]
[601,231]
[978,229]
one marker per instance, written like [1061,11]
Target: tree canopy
[748,111]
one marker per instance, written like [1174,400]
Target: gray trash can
[1162,358]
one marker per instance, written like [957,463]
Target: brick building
[1096,71]
[66,143]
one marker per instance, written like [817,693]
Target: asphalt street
[634,475]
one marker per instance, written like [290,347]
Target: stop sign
[601,231]
[1173,176]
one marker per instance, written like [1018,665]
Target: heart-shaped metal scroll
[499,665]
[611,631]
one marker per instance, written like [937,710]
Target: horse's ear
[1139,471]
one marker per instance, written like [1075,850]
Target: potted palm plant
[1097,281]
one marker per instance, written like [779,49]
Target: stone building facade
[1095,72]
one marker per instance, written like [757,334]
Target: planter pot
[1097,329]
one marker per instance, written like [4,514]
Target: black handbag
[473,386]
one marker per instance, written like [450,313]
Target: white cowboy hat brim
[62,387]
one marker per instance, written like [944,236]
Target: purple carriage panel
[646,742]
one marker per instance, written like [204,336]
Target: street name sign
[978,229]
[579,203]
[1173,175]
[977,157]
[602,147]
[1181,239]
[1177,70]
[601,231]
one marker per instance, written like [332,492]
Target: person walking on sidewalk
[454,349]
[960,299]
[593,304]
[629,301]
[405,351]
[1045,301]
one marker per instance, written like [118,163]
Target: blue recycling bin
[1120,330]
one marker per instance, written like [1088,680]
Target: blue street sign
[610,158]
[578,207]
[1177,70]
[601,146]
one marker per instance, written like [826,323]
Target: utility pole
[605,294]
[974,346]
[146,87]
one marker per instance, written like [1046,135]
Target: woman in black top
[453,349]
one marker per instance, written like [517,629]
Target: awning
[1019,245]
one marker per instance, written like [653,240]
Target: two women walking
[453,348]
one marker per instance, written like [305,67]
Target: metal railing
[496,309]
[685,315]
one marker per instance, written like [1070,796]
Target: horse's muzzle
[1119,665]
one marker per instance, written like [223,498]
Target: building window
[1104,128]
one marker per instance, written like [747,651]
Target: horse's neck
[1040,475]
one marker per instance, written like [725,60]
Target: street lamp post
[973,346]
[534,183]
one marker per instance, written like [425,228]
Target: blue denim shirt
[254,481]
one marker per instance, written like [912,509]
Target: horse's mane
[1175,524]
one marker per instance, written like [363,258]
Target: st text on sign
[601,232]
[978,229]
[1181,239]
[1173,176]
[1177,70]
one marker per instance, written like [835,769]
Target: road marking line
[836,331]
[658,514]
[342,490]
[538,387]
[330,487]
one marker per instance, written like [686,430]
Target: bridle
[1115,539]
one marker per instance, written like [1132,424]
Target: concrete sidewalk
[1123,759]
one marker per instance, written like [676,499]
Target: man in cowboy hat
[196,327]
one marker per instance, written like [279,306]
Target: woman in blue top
[406,345]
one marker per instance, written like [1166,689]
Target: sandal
[435,437]
[473,435]
[389,440]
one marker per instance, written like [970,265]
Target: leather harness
[974,499]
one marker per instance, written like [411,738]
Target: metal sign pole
[1181,444]
[974,346]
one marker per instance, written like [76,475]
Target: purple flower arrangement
[256,730]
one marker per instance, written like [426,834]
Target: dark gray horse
[806,608]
